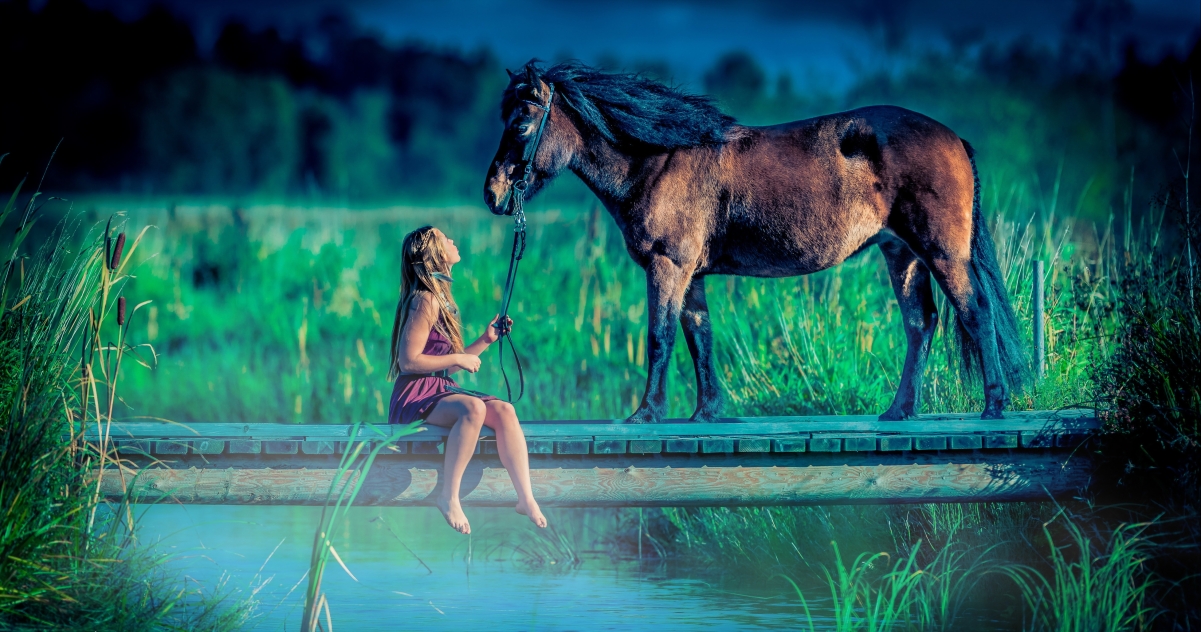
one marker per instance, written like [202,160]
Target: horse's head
[532,151]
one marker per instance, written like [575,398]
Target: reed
[876,593]
[353,469]
[68,559]
[1099,588]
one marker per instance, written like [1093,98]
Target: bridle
[517,210]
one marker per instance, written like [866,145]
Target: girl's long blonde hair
[423,268]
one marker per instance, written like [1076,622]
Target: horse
[696,194]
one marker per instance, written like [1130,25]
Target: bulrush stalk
[120,304]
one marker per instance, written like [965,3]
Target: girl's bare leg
[510,445]
[464,415]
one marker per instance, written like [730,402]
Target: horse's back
[817,190]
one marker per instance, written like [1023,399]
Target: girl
[427,346]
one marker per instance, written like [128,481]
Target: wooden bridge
[741,461]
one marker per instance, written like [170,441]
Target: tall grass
[877,592]
[279,314]
[353,468]
[67,558]
[1090,588]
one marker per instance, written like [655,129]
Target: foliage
[1090,588]
[1150,379]
[265,116]
[67,558]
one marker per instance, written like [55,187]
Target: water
[442,580]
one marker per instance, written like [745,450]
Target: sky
[818,44]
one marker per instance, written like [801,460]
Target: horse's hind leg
[698,333]
[963,289]
[911,282]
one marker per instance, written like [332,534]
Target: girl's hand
[468,362]
[492,332]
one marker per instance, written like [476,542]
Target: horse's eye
[523,128]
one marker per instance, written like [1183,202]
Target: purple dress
[414,396]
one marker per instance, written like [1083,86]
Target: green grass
[68,559]
[1091,586]
[283,314]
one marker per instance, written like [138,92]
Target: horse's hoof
[893,414]
[642,417]
[704,418]
[992,414]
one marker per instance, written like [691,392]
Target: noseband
[527,156]
[517,210]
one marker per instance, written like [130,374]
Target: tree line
[340,115]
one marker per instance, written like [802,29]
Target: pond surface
[415,573]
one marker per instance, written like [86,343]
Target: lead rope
[504,329]
[518,205]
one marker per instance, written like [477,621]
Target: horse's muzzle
[502,206]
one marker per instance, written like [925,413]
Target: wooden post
[1040,344]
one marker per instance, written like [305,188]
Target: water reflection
[413,572]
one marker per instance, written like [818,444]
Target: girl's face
[451,250]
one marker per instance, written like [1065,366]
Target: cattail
[120,307]
[117,252]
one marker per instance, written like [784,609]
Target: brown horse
[696,194]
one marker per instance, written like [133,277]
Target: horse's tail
[988,280]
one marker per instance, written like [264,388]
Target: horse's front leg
[666,283]
[698,333]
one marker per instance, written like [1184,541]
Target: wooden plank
[859,443]
[208,446]
[898,443]
[170,447]
[134,447]
[1059,422]
[966,442]
[788,445]
[572,447]
[280,447]
[245,446]
[164,430]
[717,446]
[1000,441]
[1037,440]
[540,447]
[646,446]
[819,443]
[681,446]
[936,442]
[609,446]
[397,482]
[426,447]
[317,447]
[754,445]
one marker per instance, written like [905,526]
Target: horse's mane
[631,111]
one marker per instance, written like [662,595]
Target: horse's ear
[511,75]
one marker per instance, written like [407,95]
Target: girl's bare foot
[531,510]
[453,512]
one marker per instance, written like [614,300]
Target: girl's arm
[423,313]
[489,336]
